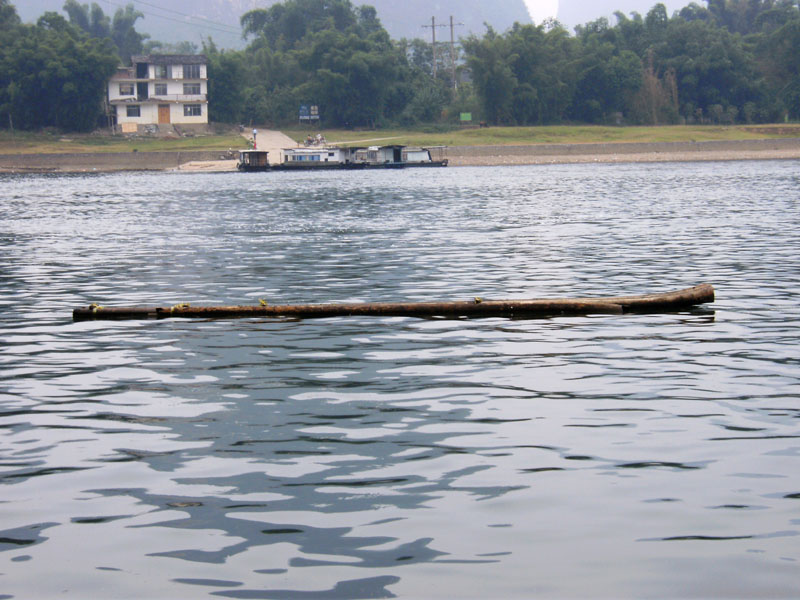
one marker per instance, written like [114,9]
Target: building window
[126,89]
[161,89]
[192,110]
[161,72]
[134,110]
[191,89]
[191,71]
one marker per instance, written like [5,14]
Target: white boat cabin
[416,155]
[317,156]
[380,155]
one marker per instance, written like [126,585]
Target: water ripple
[382,457]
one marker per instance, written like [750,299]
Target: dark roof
[170,59]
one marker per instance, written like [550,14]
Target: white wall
[174,96]
[149,114]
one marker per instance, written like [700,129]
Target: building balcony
[118,79]
[196,98]
[178,98]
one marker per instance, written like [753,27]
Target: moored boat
[324,157]
[253,160]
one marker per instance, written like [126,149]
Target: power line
[211,24]
[452,26]
[433,27]
[231,27]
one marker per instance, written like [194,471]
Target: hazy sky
[540,10]
[579,12]
[569,12]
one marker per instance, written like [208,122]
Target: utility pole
[452,26]
[433,27]
[453,50]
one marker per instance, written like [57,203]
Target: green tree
[128,41]
[489,59]
[226,75]
[323,52]
[53,74]
[528,75]
[8,16]
[90,19]
[353,76]
[746,16]
[284,25]
[712,66]
[779,53]
[609,76]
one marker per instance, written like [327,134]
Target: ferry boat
[337,157]
[253,160]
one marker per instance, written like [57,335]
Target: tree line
[730,61]
[55,72]
[733,61]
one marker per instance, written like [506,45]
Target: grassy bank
[491,136]
[43,143]
[48,143]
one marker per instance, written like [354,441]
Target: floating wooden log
[665,302]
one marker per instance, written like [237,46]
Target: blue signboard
[309,113]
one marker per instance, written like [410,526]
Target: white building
[169,89]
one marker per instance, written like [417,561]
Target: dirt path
[267,139]
[272,141]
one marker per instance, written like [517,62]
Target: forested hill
[175,21]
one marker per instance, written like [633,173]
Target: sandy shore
[767,149]
[640,157]
[534,154]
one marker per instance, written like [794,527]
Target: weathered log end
[477,308]
[680,299]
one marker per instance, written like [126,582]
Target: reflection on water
[640,455]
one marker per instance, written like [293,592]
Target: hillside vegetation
[730,62]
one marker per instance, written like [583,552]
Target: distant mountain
[580,12]
[178,20]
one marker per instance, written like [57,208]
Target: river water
[608,456]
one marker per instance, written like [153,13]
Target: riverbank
[617,152]
[495,155]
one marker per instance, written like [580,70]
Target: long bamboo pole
[669,301]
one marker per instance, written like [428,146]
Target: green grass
[578,134]
[47,142]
